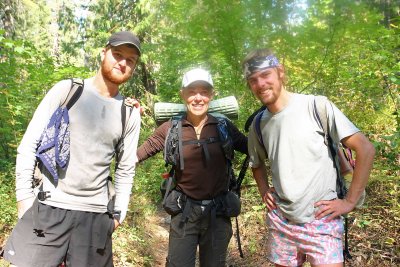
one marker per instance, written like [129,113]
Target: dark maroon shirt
[200,179]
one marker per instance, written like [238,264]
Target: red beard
[107,72]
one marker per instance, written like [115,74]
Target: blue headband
[260,63]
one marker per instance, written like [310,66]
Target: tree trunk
[55,52]
[7,17]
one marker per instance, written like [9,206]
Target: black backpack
[173,148]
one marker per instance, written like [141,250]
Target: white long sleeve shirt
[95,129]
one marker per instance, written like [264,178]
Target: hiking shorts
[79,238]
[318,242]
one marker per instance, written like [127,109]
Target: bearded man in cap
[68,217]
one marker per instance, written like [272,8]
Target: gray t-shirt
[302,168]
[95,128]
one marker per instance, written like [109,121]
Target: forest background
[348,50]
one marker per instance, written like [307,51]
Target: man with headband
[304,212]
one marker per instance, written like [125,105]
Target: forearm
[260,175]
[364,157]
[365,153]
[24,205]
[25,165]
[362,170]
[125,170]
[123,188]
[154,143]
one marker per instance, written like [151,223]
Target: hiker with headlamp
[199,146]
[304,203]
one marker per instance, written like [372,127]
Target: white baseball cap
[196,75]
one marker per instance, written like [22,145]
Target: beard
[107,72]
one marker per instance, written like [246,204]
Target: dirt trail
[159,231]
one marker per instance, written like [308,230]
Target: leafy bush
[8,211]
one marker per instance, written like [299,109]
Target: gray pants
[80,238]
[197,231]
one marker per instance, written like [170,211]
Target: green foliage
[335,48]
[388,146]
[8,211]
[347,50]
[28,74]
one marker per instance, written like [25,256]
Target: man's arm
[26,152]
[365,153]
[125,170]
[260,175]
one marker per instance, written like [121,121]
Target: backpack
[56,122]
[173,148]
[73,95]
[342,156]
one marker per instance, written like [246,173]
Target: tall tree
[7,14]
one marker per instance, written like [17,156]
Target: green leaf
[19,49]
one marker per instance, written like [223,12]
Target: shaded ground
[374,232]
[158,232]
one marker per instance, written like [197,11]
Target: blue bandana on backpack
[54,144]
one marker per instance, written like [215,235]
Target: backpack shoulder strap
[321,115]
[180,146]
[322,118]
[257,129]
[126,112]
[74,93]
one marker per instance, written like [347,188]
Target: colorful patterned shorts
[290,244]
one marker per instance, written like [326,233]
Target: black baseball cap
[124,37]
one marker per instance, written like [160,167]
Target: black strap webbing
[74,93]
[203,143]
[242,174]
[238,238]
[119,147]
[123,116]
[257,128]
[180,148]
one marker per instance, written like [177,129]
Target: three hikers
[68,218]
[70,221]
[303,207]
